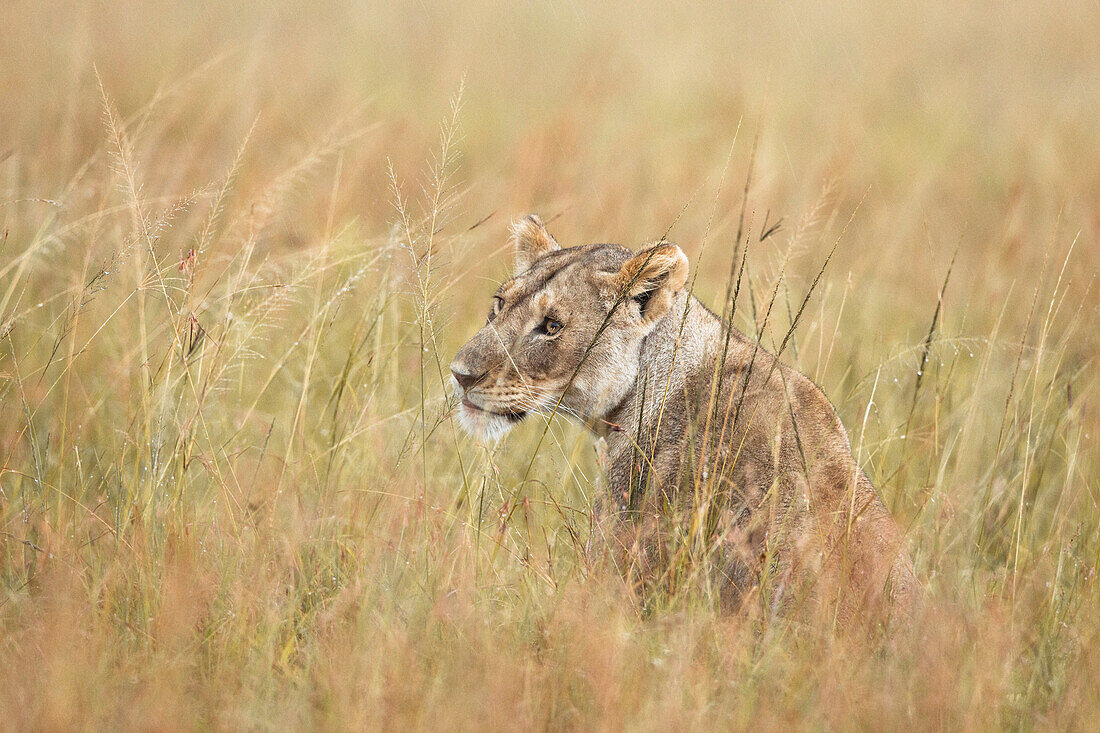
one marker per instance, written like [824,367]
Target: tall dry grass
[239,243]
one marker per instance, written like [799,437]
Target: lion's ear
[531,241]
[652,278]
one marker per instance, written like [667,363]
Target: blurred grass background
[237,254]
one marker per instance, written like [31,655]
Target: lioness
[701,425]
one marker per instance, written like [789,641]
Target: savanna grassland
[241,241]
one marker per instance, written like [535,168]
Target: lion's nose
[464,379]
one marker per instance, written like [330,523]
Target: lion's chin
[486,425]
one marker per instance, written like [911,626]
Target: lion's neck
[679,353]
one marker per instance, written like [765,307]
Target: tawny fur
[744,454]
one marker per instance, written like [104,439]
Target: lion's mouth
[513,415]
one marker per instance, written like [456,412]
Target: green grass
[239,244]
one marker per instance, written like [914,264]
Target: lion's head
[565,332]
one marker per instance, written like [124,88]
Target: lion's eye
[549,327]
[498,303]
